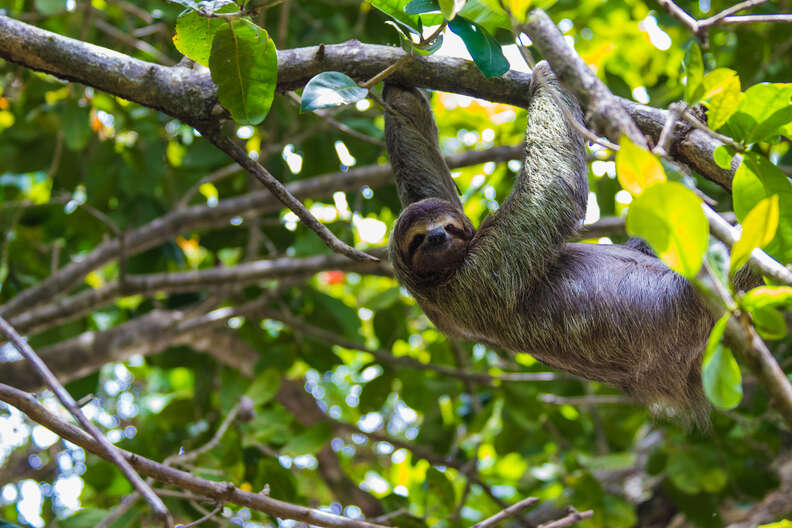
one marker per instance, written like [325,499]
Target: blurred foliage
[67,150]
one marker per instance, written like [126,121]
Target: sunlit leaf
[720,373]
[764,111]
[721,95]
[244,66]
[669,217]
[767,296]
[194,33]
[637,168]
[450,8]
[723,156]
[756,179]
[758,229]
[329,89]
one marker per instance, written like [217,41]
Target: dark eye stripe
[414,243]
[454,230]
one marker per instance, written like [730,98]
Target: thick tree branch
[220,491]
[194,96]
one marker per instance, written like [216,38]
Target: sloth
[610,313]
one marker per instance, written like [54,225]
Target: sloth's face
[433,237]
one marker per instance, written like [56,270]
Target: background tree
[264,368]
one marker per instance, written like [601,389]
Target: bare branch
[239,155]
[220,491]
[574,517]
[107,450]
[756,19]
[512,511]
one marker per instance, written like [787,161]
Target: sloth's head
[430,241]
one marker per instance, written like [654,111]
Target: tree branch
[220,491]
[106,449]
[189,95]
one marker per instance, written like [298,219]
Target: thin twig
[508,513]
[736,8]
[664,141]
[692,120]
[208,446]
[105,446]
[204,518]
[756,19]
[387,72]
[239,155]
[574,517]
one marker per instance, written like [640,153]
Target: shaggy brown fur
[603,312]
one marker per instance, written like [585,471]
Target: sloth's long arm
[548,200]
[411,138]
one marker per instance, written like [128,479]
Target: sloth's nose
[436,237]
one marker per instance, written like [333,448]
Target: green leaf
[194,34]
[396,10]
[721,95]
[50,7]
[441,491]
[417,7]
[309,441]
[637,168]
[375,393]
[693,66]
[484,49]
[244,66]
[450,8]
[723,156]
[669,217]
[767,296]
[329,89]
[769,322]
[264,387]
[489,14]
[756,179]
[763,112]
[720,373]
[75,125]
[758,229]
[519,8]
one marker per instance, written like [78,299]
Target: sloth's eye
[454,230]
